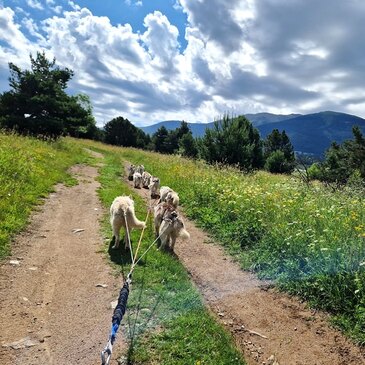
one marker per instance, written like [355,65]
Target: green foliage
[314,171]
[192,339]
[168,142]
[188,146]
[121,132]
[343,160]
[278,153]
[233,141]
[310,240]
[29,169]
[160,140]
[38,104]
[277,163]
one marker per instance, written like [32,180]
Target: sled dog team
[168,224]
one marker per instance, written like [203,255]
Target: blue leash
[118,314]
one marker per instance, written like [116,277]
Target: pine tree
[37,103]
[233,141]
[279,153]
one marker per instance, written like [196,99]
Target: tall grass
[161,295]
[309,240]
[29,169]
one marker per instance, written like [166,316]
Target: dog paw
[114,247]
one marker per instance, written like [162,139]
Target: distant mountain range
[310,133]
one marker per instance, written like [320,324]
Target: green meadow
[166,321]
[29,170]
[162,296]
[307,239]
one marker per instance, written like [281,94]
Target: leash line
[128,237]
[140,238]
[121,307]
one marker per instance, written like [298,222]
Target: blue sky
[153,60]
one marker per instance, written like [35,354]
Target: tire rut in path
[295,334]
[51,297]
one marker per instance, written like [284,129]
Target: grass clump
[29,169]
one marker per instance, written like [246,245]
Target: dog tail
[133,221]
[184,234]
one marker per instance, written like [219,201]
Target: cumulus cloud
[35,4]
[215,20]
[74,6]
[161,41]
[280,56]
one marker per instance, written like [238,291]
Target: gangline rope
[121,307]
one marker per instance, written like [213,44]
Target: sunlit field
[308,239]
[162,296]
[29,169]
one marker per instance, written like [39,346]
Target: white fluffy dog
[137,180]
[168,195]
[168,225]
[122,210]
[140,169]
[172,226]
[158,213]
[146,178]
[131,171]
[154,187]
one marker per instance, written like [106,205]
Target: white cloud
[35,4]
[161,40]
[11,33]
[241,56]
[136,3]
[33,29]
[57,9]
[177,6]
[74,6]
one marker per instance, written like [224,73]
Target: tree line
[39,105]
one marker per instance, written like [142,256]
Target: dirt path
[51,298]
[293,334]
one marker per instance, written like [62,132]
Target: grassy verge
[162,297]
[29,169]
[309,240]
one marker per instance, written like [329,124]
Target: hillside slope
[310,133]
[314,133]
[198,129]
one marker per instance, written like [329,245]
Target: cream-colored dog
[169,195]
[169,225]
[122,211]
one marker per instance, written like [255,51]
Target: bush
[315,172]
[277,163]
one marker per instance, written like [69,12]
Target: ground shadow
[120,255]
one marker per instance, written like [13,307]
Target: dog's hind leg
[116,229]
[173,240]
[165,236]
[126,241]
